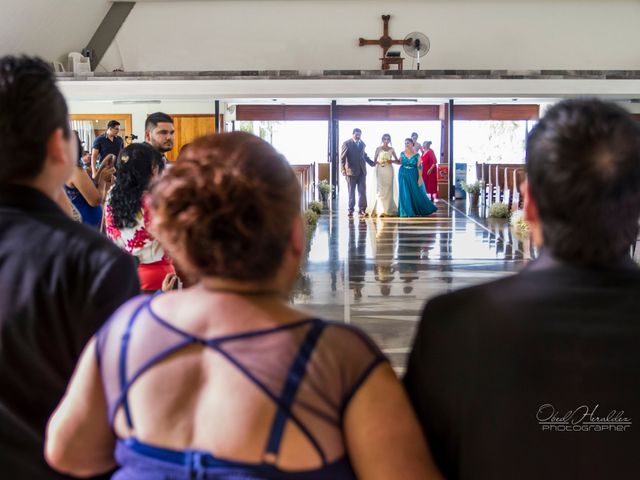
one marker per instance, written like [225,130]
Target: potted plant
[325,188]
[473,190]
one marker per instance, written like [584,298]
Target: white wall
[49,28]
[310,35]
[316,35]
[139,112]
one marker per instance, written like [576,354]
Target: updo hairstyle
[226,208]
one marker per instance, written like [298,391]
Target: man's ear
[530,208]
[147,136]
[297,236]
[532,215]
[57,147]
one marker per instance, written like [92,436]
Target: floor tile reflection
[378,273]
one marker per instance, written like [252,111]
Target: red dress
[431,179]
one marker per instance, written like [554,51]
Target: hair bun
[225,209]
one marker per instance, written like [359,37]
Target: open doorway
[302,142]
[372,132]
[489,141]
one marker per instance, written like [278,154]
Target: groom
[353,161]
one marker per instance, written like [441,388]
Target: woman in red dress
[430,170]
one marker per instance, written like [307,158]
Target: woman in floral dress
[127,214]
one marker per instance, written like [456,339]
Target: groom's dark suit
[487,360]
[353,163]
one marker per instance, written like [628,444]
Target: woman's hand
[169,282]
[104,175]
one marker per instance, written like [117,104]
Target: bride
[384,158]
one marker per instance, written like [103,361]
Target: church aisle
[378,273]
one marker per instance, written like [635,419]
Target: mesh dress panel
[308,369]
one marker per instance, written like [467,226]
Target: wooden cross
[385,41]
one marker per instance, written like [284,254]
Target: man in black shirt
[536,375]
[59,281]
[107,143]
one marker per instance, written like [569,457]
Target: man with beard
[159,132]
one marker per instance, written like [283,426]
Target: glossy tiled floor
[378,273]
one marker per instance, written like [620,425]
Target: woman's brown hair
[226,208]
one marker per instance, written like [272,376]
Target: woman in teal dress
[414,201]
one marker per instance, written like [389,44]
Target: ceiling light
[135,102]
[393,99]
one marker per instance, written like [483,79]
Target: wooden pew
[498,181]
[518,176]
[511,183]
[307,178]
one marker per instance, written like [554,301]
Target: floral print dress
[153,262]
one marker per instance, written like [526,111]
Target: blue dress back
[310,369]
[91,216]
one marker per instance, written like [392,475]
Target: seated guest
[86,160]
[535,375]
[59,281]
[225,379]
[86,196]
[127,214]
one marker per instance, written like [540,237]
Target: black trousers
[359,182]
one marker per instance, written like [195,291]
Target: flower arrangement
[325,188]
[472,188]
[499,210]
[311,219]
[518,222]
[316,207]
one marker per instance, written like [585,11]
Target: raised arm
[383,437]
[94,161]
[80,179]
[79,440]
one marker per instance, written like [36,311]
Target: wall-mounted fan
[416,45]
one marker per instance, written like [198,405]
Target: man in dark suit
[353,162]
[537,375]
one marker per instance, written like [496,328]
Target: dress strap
[124,386]
[294,379]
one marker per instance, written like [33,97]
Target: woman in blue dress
[414,201]
[225,380]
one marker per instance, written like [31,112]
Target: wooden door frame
[127,117]
[192,115]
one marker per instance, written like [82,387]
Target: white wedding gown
[384,203]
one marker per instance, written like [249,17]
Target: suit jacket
[353,159]
[491,364]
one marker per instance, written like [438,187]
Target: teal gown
[414,201]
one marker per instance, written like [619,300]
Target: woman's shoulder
[350,341]
[347,355]
[115,326]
